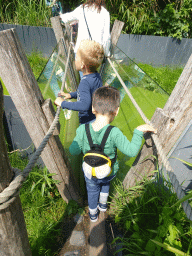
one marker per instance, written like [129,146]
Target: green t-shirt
[116,139]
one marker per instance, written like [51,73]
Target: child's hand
[65,95]
[146,128]
[58,101]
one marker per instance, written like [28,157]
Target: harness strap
[88,135]
[102,145]
[110,161]
[109,128]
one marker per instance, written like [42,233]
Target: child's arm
[76,146]
[59,100]
[84,102]
[132,148]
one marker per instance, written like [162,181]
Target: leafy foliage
[44,180]
[37,62]
[151,226]
[164,18]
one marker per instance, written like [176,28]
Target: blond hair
[91,53]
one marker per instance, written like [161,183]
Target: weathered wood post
[19,80]
[13,233]
[116,31]
[64,41]
[170,122]
[115,34]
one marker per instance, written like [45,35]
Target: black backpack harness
[96,157]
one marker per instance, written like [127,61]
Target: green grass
[37,62]
[43,214]
[165,76]
[144,214]
[25,12]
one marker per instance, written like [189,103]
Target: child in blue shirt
[88,58]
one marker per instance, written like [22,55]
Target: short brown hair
[96,3]
[92,54]
[106,100]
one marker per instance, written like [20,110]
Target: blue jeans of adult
[95,187]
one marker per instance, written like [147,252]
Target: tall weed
[26,12]
[164,18]
[148,220]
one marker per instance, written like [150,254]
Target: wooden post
[64,41]
[13,233]
[140,168]
[115,34]
[116,31]
[170,122]
[19,80]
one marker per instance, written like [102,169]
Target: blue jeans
[95,187]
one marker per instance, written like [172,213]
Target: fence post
[64,41]
[170,122]
[13,233]
[116,31]
[115,34]
[20,82]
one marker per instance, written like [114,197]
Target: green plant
[45,180]
[43,215]
[164,18]
[73,208]
[170,22]
[37,62]
[33,13]
[151,226]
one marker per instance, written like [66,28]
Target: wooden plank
[115,34]
[72,73]
[97,246]
[178,108]
[13,233]
[116,31]
[143,168]
[20,82]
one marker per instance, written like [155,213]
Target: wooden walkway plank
[97,246]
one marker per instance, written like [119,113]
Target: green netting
[50,82]
[147,93]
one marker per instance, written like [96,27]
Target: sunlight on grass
[165,76]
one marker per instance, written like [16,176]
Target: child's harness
[96,162]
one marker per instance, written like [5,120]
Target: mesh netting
[147,93]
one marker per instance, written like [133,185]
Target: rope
[9,194]
[178,189]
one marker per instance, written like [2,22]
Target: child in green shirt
[105,106]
